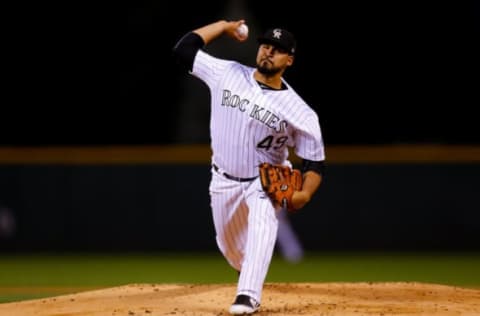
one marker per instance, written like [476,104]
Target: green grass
[35,276]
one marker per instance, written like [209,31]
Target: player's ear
[290,60]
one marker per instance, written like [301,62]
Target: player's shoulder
[207,58]
[225,63]
[237,69]
[246,70]
[304,112]
[296,99]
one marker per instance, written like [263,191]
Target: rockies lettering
[234,101]
[250,125]
[257,112]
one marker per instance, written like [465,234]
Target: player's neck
[274,81]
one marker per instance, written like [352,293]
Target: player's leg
[262,233]
[229,217]
[287,240]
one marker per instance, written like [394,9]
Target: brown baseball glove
[279,182]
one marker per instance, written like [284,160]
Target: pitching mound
[278,299]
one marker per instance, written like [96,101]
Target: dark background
[376,71]
[409,207]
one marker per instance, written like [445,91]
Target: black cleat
[244,305]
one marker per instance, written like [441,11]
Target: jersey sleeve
[309,141]
[208,68]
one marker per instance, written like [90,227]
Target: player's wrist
[300,199]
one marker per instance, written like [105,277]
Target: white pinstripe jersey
[250,125]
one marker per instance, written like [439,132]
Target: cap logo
[277,33]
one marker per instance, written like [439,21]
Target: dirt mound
[278,299]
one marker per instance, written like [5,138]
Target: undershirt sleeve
[186,49]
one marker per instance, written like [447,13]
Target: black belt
[228,176]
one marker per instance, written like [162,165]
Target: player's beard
[264,68]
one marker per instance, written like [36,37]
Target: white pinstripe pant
[246,225]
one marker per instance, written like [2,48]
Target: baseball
[242,30]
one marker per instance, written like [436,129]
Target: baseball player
[255,116]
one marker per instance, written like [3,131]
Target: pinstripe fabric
[243,117]
[250,125]
[247,248]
